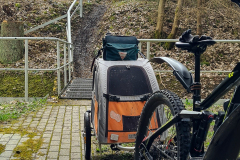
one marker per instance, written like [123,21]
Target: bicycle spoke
[165,145]
[162,152]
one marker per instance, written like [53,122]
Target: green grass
[13,110]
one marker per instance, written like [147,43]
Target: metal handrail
[70,61]
[33,38]
[70,48]
[26,67]
[68,43]
[177,40]
[69,16]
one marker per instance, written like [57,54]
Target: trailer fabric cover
[118,98]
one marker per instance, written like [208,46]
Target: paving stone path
[59,127]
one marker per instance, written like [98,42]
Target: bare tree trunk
[199,17]
[176,22]
[159,28]
[11,50]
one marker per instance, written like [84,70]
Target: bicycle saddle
[194,43]
[237,2]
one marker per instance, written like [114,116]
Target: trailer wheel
[87,135]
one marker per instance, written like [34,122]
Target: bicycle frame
[232,80]
[220,138]
[184,115]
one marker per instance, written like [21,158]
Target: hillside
[137,18]
[220,21]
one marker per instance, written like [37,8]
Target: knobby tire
[182,137]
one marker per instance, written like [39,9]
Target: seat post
[197,66]
[196,88]
[197,92]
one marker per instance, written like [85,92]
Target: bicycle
[182,132]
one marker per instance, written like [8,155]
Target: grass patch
[116,156]
[13,110]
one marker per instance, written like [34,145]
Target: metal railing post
[71,54]
[81,8]
[69,61]
[67,32]
[26,70]
[58,68]
[65,67]
[148,50]
[69,26]
[140,48]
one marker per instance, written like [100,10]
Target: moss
[2,148]
[169,45]
[160,35]
[28,148]
[205,63]
[18,5]
[14,84]
[22,131]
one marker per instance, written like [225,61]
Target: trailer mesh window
[128,81]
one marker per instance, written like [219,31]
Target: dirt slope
[85,39]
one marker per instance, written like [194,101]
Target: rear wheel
[173,143]
[87,135]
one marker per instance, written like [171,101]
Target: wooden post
[11,50]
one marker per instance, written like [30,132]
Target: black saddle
[194,43]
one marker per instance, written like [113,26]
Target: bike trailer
[120,90]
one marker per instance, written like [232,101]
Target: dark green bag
[118,52]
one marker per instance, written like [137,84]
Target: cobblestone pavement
[56,128]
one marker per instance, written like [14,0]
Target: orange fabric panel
[115,112]
[96,116]
[117,109]
[153,123]
[123,137]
